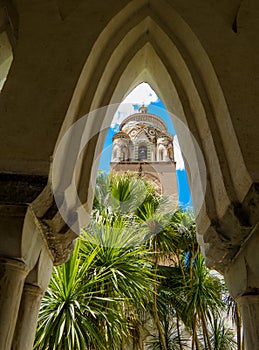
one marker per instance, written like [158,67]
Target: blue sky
[143,94]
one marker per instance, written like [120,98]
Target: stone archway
[163,44]
[144,50]
[152,49]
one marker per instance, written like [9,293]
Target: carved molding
[222,242]
[226,237]
[20,194]
[59,237]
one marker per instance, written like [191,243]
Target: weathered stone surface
[226,237]
[20,189]
[73,57]
[249,306]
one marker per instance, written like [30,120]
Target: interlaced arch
[142,44]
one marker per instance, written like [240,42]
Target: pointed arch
[141,44]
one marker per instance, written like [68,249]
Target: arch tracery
[147,49]
[187,51]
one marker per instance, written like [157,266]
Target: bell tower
[143,145]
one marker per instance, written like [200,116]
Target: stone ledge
[20,188]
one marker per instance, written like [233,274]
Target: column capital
[223,239]
[248,299]
[57,236]
[12,264]
[242,274]
[29,214]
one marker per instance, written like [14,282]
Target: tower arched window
[142,152]
[161,154]
[124,154]
[115,154]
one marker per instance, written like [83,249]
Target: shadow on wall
[6,57]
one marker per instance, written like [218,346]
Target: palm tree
[91,299]
[154,216]
[123,262]
[150,211]
[169,319]
[97,300]
[121,194]
[171,336]
[202,299]
[222,337]
[183,222]
[234,312]
[195,293]
[62,320]
[196,296]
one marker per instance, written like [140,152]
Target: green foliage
[62,320]
[121,194]
[115,280]
[87,303]
[121,259]
[222,337]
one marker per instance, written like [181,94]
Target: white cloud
[142,94]
[178,155]
[124,110]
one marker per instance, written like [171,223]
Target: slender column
[249,308]
[242,279]
[35,284]
[27,318]
[12,276]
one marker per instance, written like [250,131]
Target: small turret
[142,109]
